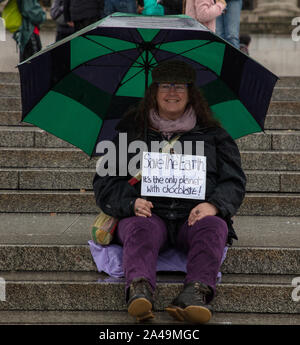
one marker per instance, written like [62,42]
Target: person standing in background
[83,13]
[28,35]
[205,11]
[228,24]
[63,29]
[125,6]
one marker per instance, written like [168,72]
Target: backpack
[12,16]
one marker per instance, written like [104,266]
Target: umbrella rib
[179,54]
[134,61]
[121,84]
[199,46]
[112,50]
[149,62]
[158,47]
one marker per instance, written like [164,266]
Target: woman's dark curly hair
[196,100]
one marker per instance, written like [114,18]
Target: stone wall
[279,53]
[270,17]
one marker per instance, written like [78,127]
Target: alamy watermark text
[296,31]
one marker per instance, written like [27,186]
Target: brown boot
[140,300]
[191,305]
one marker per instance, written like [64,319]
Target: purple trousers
[143,238]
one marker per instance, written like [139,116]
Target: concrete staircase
[47,207]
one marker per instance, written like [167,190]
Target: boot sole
[141,308]
[192,314]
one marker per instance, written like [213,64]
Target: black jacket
[75,10]
[172,6]
[225,184]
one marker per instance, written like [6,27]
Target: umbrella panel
[75,123]
[209,53]
[86,48]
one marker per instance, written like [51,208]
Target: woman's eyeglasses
[164,87]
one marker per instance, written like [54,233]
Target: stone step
[281,93]
[280,122]
[288,82]
[256,204]
[9,77]
[53,230]
[284,108]
[263,274]
[74,158]
[280,140]
[11,118]
[74,292]
[10,89]
[30,137]
[52,179]
[69,259]
[41,158]
[284,81]
[286,94]
[77,179]
[275,108]
[10,103]
[277,181]
[270,204]
[270,160]
[109,319]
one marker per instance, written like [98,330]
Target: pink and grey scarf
[167,127]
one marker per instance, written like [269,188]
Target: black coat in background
[79,10]
[225,182]
[172,6]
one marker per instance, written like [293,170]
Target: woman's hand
[142,207]
[200,211]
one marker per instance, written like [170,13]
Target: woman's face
[172,100]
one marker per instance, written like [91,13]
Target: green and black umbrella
[79,88]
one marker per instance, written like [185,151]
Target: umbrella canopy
[79,88]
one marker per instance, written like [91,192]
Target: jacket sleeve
[34,12]
[114,195]
[231,182]
[206,12]
[57,9]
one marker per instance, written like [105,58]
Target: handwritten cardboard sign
[173,175]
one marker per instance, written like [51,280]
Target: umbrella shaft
[147,69]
